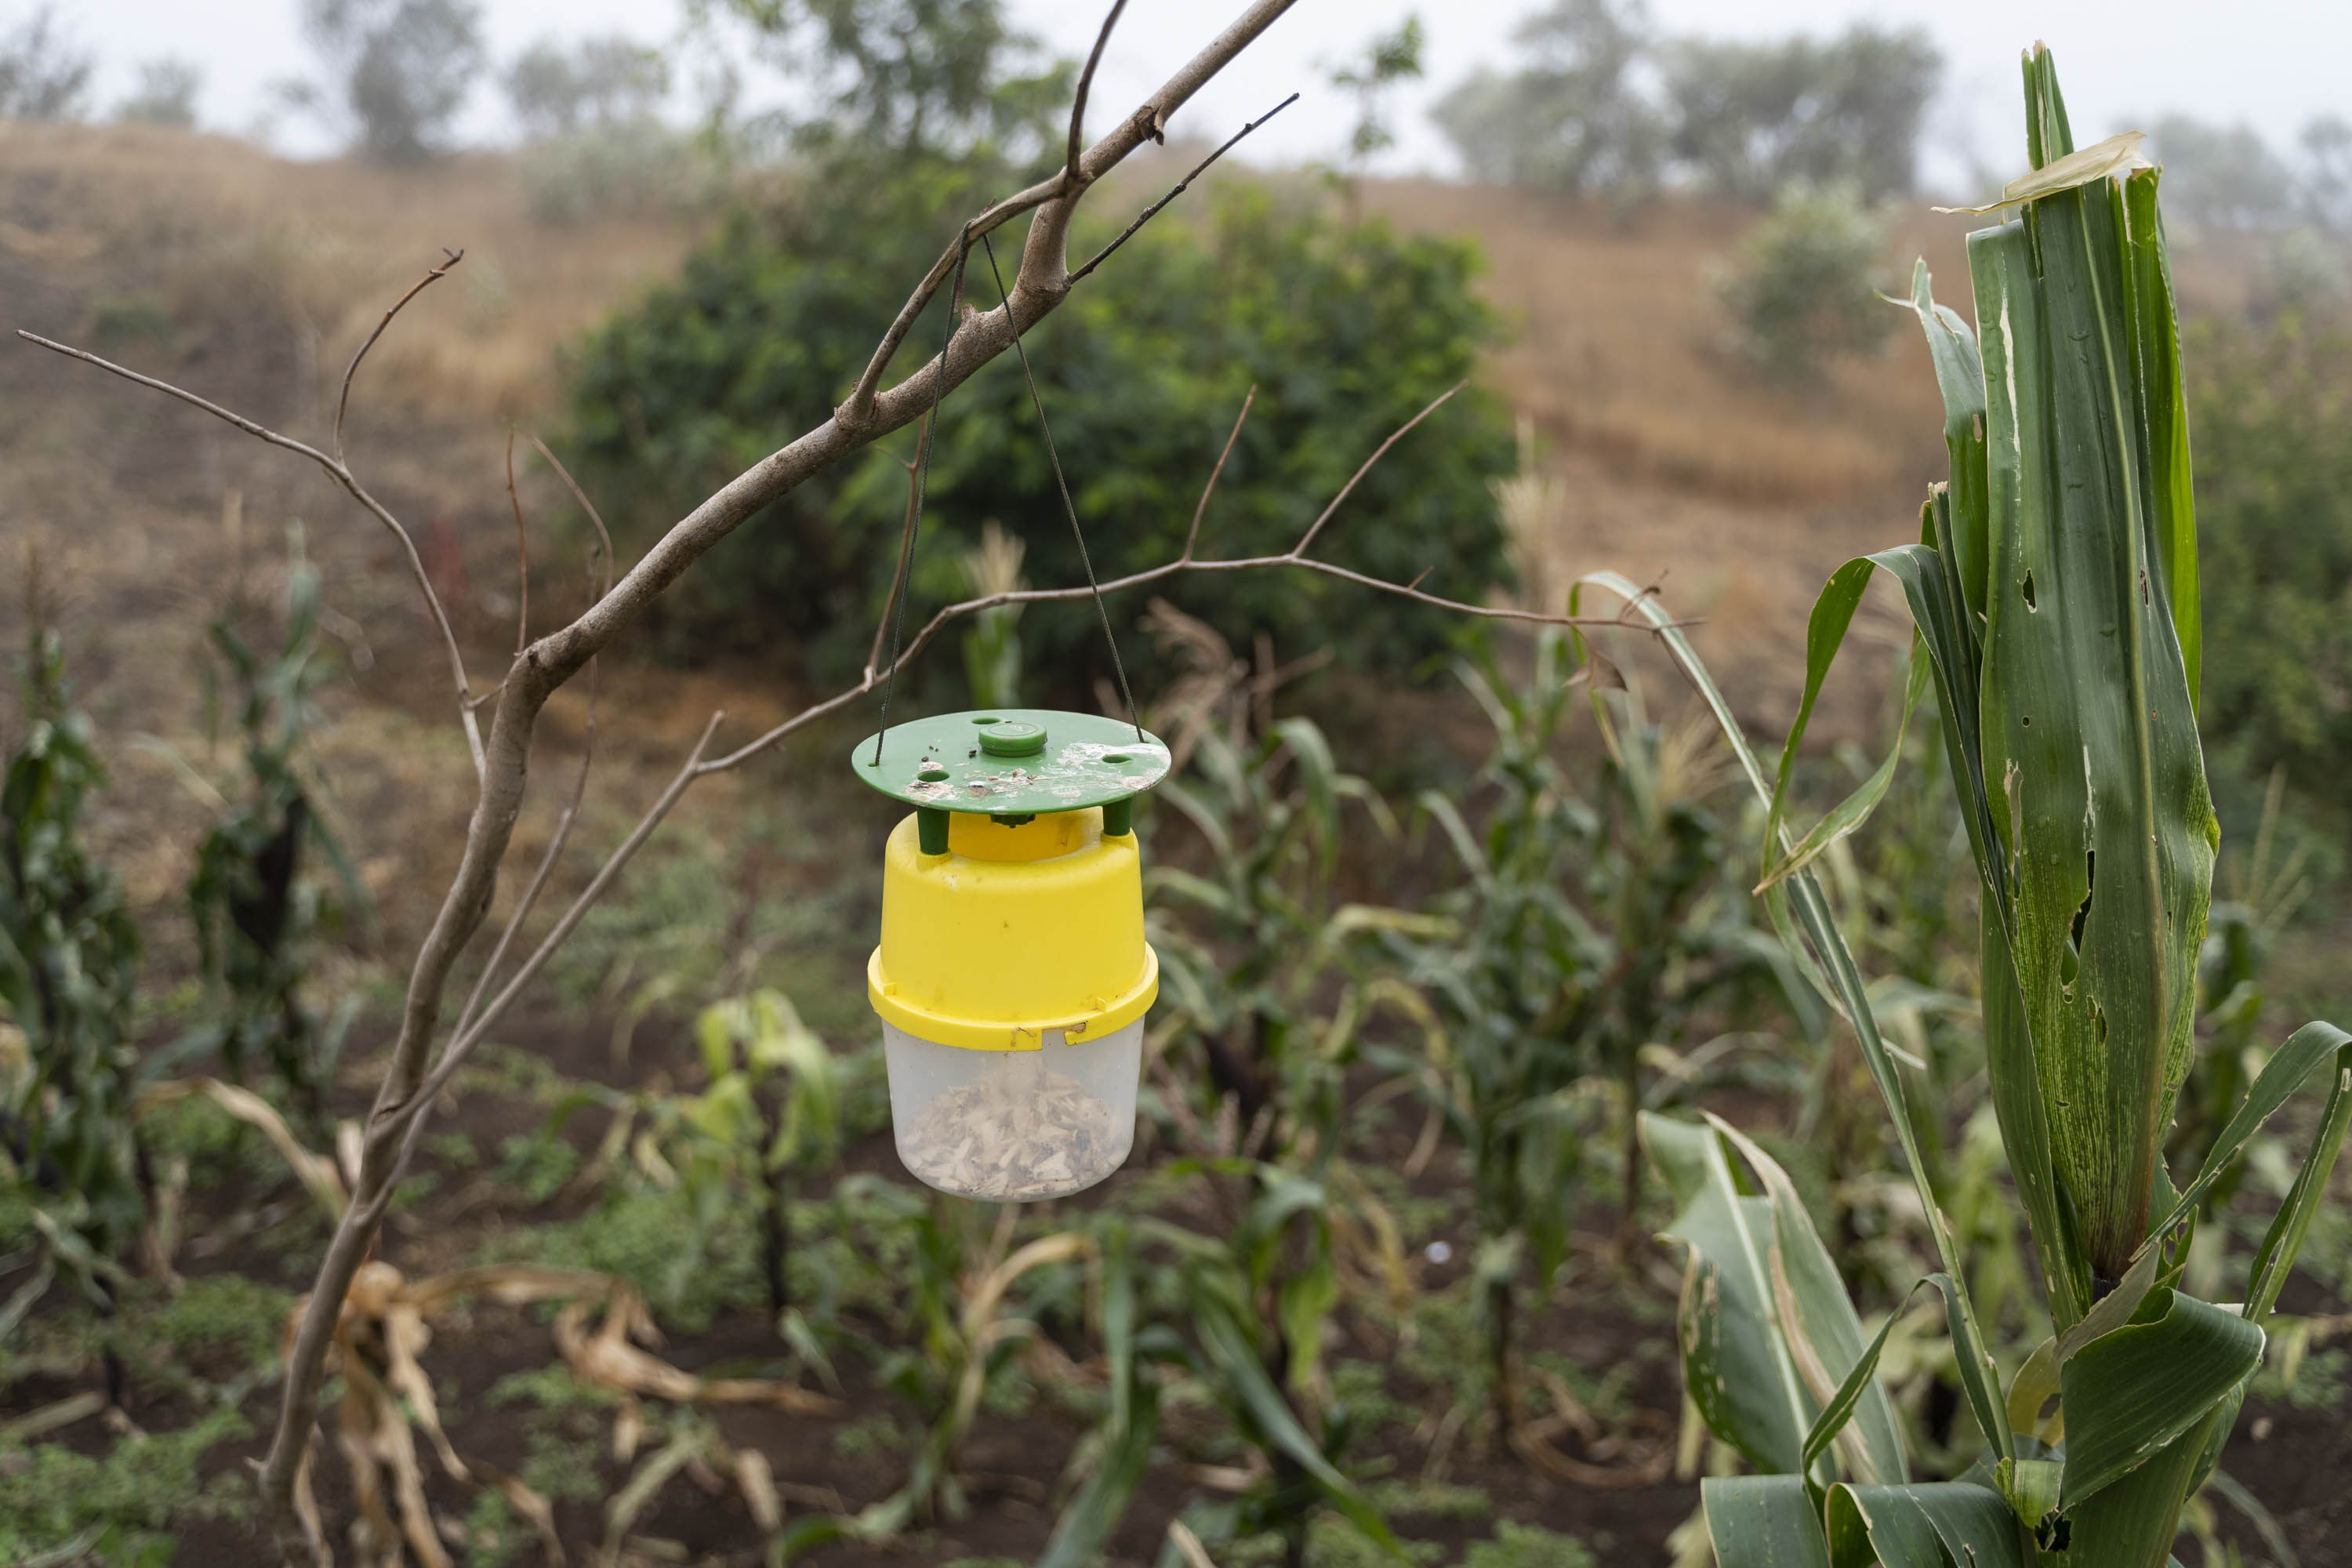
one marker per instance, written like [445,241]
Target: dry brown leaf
[607,1358]
[535,1509]
[757,1479]
[315,1172]
[509,1284]
[404,1339]
[628,1430]
[49,1417]
[2118,154]
[1188,1545]
[306,1506]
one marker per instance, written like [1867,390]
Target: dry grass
[1680,465]
[1618,349]
[337,241]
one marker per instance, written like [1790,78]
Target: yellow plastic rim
[970,1036]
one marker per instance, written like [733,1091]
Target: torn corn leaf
[2118,154]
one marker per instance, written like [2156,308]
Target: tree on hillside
[890,77]
[43,74]
[2221,176]
[166,94]
[1750,119]
[598,84]
[2327,171]
[1391,58]
[399,70]
[1606,105]
[1806,285]
[1573,120]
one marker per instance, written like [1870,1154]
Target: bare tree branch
[342,476]
[570,816]
[905,550]
[1192,536]
[522,554]
[1183,185]
[1085,84]
[1042,271]
[1380,451]
[432,275]
[463,1042]
[595,517]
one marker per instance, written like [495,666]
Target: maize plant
[2054,592]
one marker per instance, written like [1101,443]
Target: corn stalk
[2053,592]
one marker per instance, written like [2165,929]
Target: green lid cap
[1009,739]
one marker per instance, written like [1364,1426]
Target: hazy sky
[2272,63]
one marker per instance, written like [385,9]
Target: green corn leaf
[1825,633]
[1320,776]
[1801,903]
[1449,818]
[1841,1407]
[1736,1368]
[2132,1523]
[1096,1509]
[2155,348]
[1228,1348]
[2090,739]
[1132,1423]
[1959,377]
[2306,1050]
[1824,1335]
[1949,1524]
[1763,1521]
[2133,1391]
[1192,889]
[2284,1239]
[2025,1127]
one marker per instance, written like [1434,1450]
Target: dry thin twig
[522,555]
[1085,85]
[1147,213]
[432,276]
[342,475]
[1193,535]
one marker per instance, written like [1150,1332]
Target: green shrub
[2272,417]
[1802,292]
[1345,331]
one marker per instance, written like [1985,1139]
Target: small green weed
[563,1440]
[1529,1546]
[538,1165]
[868,1437]
[136,1494]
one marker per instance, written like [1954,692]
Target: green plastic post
[931,826]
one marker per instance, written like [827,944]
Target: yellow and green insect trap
[1013,977]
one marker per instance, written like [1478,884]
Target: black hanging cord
[897,608]
[1067,506]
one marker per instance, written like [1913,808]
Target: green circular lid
[1012,740]
[1012,761]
